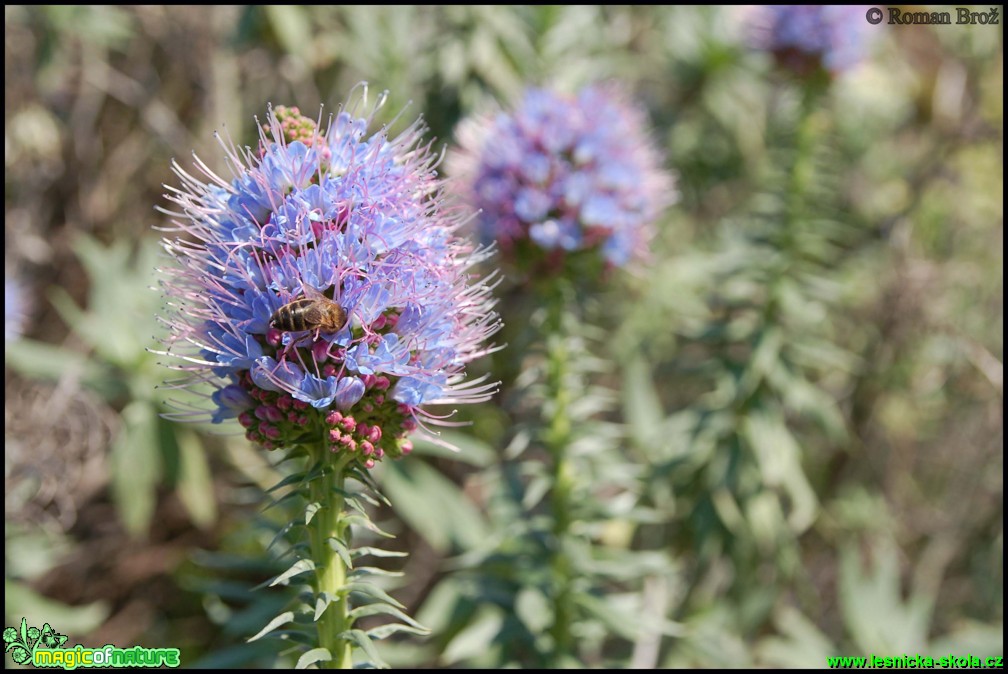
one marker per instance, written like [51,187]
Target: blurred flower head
[15,308]
[560,174]
[318,217]
[806,39]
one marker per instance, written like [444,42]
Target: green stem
[801,176]
[330,571]
[557,439]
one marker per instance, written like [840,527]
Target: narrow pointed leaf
[300,566]
[313,656]
[310,511]
[280,535]
[341,550]
[384,631]
[290,479]
[282,619]
[374,571]
[322,602]
[372,591]
[366,522]
[377,552]
[364,641]
[379,609]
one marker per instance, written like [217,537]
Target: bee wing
[313,294]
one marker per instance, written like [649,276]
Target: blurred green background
[808,379]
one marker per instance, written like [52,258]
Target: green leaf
[384,631]
[364,521]
[762,361]
[38,360]
[471,450]
[31,551]
[354,500]
[136,466]
[341,550]
[728,510]
[386,609]
[290,479]
[873,610]
[533,610]
[476,638]
[121,308]
[619,620]
[801,643]
[298,567]
[434,506]
[779,459]
[377,552]
[322,602]
[195,485]
[641,405]
[289,496]
[371,590]
[283,619]
[313,656]
[292,28]
[310,510]
[363,571]
[19,599]
[538,486]
[281,534]
[364,641]
[356,504]
[971,636]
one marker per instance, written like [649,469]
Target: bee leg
[295,343]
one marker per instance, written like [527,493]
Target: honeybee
[314,311]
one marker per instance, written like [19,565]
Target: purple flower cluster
[564,173]
[335,216]
[807,38]
[15,309]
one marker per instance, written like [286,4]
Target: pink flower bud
[320,351]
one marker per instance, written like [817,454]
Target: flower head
[15,309]
[810,38]
[564,174]
[318,218]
